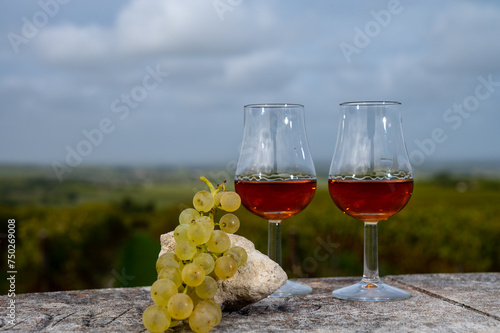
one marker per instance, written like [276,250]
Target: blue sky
[165,82]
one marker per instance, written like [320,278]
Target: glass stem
[274,241]
[370,272]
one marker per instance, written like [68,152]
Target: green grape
[236,255]
[185,250]
[166,259]
[182,264]
[219,241]
[156,318]
[171,273]
[217,198]
[203,201]
[191,292]
[199,232]
[207,222]
[207,288]
[202,321]
[230,201]
[229,223]
[213,307]
[180,306]
[188,215]
[225,267]
[193,274]
[162,290]
[181,232]
[199,249]
[206,261]
[206,315]
[243,254]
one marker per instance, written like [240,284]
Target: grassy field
[101,228]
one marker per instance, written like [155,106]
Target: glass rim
[273,105]
[370,103]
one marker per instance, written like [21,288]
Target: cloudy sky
[165,82]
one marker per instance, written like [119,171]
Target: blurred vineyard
[101,229]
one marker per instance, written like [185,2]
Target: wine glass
[370,179]
[275,176]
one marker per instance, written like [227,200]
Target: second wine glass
[370,179]
[275,176]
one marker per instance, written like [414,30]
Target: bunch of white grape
[187,278]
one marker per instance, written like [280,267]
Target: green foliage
[440,230]
[452,226]
[79,235]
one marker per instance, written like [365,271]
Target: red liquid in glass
[370,201]
[275,200]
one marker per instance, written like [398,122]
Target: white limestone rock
[258,278]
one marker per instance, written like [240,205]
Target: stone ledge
[439,303]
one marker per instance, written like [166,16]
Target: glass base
[290,289]
[371,292]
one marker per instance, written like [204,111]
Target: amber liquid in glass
[275,200]
[371,201]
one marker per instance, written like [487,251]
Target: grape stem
[204,247]
[216,256]
[220,187]
[212,189]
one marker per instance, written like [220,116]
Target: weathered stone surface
[255,280]
[433,307]
[466,289]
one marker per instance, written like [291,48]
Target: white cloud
[259,70]
[465,38]
[160,28]
[428,57]
[72,44]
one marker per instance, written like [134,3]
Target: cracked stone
[258,278]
